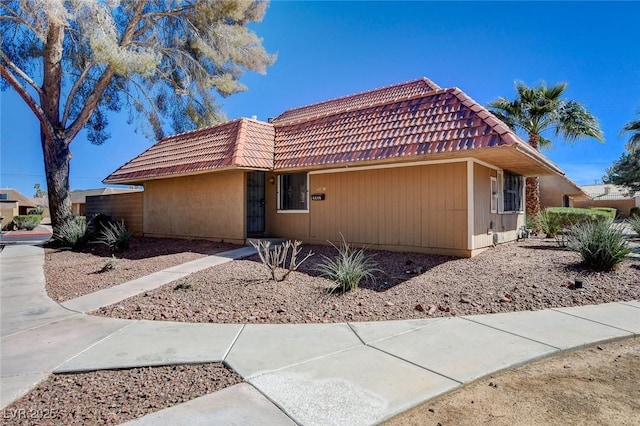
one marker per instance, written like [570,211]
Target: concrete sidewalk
[346,374]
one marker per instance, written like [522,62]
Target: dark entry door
[255,203]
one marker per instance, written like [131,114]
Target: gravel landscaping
[114,396]
[528,275]
[72,274]
[531,274]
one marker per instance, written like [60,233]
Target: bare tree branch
[72,93]
[16,69]
[28,99]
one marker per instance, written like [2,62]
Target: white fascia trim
[470,206]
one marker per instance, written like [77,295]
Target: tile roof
[235,144]
[415,120]
[446,120]
[382,95]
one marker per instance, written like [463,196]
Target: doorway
[255,203]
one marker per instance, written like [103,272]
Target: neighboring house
[607,195]
[13,203]
[410,167]
[560,191]
[79,197]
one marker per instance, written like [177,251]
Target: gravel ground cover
[72,274]
[532,274]
[114,396]
[527,275]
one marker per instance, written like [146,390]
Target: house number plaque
[317,197]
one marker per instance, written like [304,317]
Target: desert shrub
[116,236]
[97,223]
[550,223]
[28,222]
[110,264]
[72,234]
[611,212]
[348,268]
[601,244]
[634,221]
[274,258]
[635,211]
[36,210]
[569,216]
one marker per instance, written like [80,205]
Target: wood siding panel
[396,207]
[208,206]
[121,207]
[505,225]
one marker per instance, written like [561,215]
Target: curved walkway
[346,373]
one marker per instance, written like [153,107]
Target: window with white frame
[494,195]
[293,193]
[513,191]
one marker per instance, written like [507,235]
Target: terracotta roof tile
[441,121]
[237,143]
[360,100]
[412,119]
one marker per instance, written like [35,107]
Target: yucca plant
[72,234]
[115,235]
[634,221]
[602,245]
[349,268]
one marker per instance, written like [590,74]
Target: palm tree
[633,127]
[540,109]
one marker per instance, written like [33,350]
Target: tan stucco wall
[209,206]
[490,228]
[8,209]
[416,208]
[623,206]
[120,207]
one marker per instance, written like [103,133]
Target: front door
[255,203]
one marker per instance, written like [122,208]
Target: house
[13,203]
[409,167]
[79,197]
[607,195]
[559,191]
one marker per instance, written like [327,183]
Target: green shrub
[36,210]
[610,211]
[549,223]
[348,268]
[601,244]
[72,234]
[635,211]
[634,221]
[116,236]
[569,216]
[28,222]
[97,223]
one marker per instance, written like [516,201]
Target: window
[513,190]
[4,196]
[494,195]
[292,192]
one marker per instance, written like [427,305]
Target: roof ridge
[238,143]
[425,80]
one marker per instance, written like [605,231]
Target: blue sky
[330,49]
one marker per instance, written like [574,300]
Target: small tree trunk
[533,197]
[533,185]
[56,165]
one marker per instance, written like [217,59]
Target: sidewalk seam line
[512,333]
[356,333]
[417,365]
[96,343]
[597,322]
[278,406]
[226,354]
